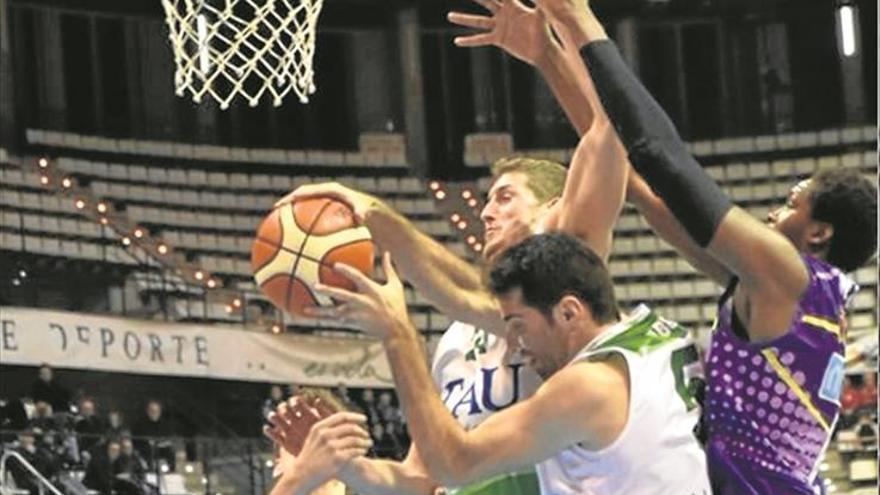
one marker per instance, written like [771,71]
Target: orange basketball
[296,246]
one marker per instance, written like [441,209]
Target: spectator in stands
[866,428]
[343,395]
[100,472]
[868,392]
[276,396]
[115,426]
[37,455]
[89,426]
[368,400]
[13,416]
[153,436]
[47,389]
[131,464]
[41,421]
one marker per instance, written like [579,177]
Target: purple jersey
[770,407]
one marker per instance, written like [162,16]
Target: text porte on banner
[84,341]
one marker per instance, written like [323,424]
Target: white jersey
[475,375]
[657,452]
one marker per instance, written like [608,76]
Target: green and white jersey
[657,452]
[477,377]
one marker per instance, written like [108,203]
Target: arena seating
[209,214]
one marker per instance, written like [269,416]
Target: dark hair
[847,200]
[548,267]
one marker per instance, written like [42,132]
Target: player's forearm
[380,477]
[422,260]
[441,277]
[432,428]
[567,77]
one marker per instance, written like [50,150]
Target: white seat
[218,179]
[195,177]
[177,176]
[137,172]
[116,171]
[157,175]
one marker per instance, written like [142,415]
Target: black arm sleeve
[654,147]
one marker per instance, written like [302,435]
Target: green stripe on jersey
[644,335]
[525,483]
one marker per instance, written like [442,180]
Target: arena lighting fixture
[66,183]
[44,180]
[461,225]
[441,194]
[80,204]
[455,217]
[472,202]
[126,241]
[102,207]
[103,221]
[199,275]
[188,469]
[138,233]
[211,283]
[434,185]
[22,273]
[269,463]
[204,480]
[471,239]
[478,247]
[229,308]
[467,194]
[276,328]
[164,468]
[162,248]
[16,282]
[846,27]
[43,162]
[236,302]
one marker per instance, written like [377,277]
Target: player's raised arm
[743,244]
[595,184]
[523,32]
[444,279]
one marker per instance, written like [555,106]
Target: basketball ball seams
[303,244]
[297,246]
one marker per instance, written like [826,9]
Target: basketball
[298,243]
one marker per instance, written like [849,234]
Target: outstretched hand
[360,203]
[379,309]
[518,29]
[329,444]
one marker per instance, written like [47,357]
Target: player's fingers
[348,430]
[361,281]
[471,20]
[325,312]
[323,407]
[482,39]
[342,418]
[490,5]
[388,268]
[345,299]
[272,433]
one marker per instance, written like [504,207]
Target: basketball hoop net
[225,48]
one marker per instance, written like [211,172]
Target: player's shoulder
[453,342]
[586,385]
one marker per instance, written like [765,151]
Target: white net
[251,48]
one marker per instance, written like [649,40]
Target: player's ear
[568,309]
[819,234]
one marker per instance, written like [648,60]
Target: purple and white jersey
[770,407]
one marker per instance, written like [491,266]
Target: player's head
[551,288]
[832,215]
[523,189]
